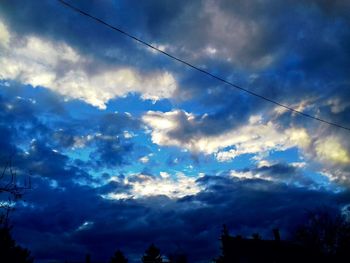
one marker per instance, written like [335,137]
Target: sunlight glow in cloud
[172,186]
[330,149]
[4,35]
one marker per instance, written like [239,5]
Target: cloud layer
[57,66]
[126,147]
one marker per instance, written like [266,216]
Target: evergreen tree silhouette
[152,255]
[226,253]
[9,250]
[118,257]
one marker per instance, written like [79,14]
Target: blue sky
[126,147]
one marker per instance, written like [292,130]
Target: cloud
[330,149]
[295,53]
[167,209]
[45,140]
[185,130]
[172,186]
[320,146]
[144,159]
[98,225]
[337,105]
[299,136]
[288,173]
[4,35]
[333,152]
[56,65]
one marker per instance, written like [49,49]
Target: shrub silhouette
[152,255]
[118,257]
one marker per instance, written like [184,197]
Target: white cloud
[258,137]
[176,187]
[85,226]
[304,105]
[57,66]
[4,35]
[262,163]
[337,105]
[210,51]
[250,175]
[336,174]
[144,159]
[298,164]
[299,137]
[225,156]
[254,137]
[173,186]
[332,152]
[242,175]
[330,149]
[128,135]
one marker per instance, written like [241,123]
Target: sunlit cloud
[330,149]
[256,137]
[56,65]
[144,159]
[171,185]
[4,35]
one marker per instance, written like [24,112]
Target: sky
[126,147]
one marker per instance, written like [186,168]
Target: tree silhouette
[326,232]
[152,255]
[226,251]
[118,257]
[10,192]
[9,250]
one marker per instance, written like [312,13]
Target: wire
[199,69]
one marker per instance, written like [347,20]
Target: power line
[96,19]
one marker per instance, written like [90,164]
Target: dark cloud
[78,220]
[283,172]
[68,217]
[266,200]
[291,52]
[111,152]
[309,55]
[38,131]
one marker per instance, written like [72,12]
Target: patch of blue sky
[82,154]
[287,156]
[193,106]
[240,162]
[135,105]
[80,110]
[24,146]
[155,159]
[323,181]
